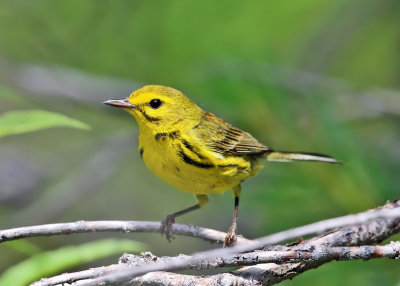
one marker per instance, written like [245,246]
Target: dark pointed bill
[121,103]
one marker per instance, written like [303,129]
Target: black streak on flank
[228,166]
[232,166]
[187,145]
[190,147]
[190,161]
[141,152]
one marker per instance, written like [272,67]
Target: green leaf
[16,122]
[52,262]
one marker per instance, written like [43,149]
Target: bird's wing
[227,139]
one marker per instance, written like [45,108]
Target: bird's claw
[231,236]
[166,227]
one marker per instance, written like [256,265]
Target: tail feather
[280,156]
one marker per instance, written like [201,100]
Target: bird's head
[159,107]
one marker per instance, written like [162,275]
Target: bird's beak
[121,103]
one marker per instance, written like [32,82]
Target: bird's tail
[281,156]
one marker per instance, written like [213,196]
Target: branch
[322,254]
[384,216]
[368,227]
[111,226]
[195,231]
[278,255]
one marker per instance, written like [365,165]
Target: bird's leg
[166,224]
[231,236]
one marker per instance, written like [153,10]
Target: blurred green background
[306,75]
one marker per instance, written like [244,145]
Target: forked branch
[353,237]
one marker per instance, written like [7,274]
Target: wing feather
[227,139]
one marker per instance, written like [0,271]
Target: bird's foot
[231,236]
[166,227]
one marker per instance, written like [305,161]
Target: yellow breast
[186,164]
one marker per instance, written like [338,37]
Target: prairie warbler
[195,151]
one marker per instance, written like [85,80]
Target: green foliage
[305,75]
[55,261]
[17,122]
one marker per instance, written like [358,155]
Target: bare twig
[110,226]
[194,231]
[276,254]
[370,232]
[161,278]
[368,227]
[282,255]
[391,212]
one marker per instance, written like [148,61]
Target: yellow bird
[195,151]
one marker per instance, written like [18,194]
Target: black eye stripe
[155,103]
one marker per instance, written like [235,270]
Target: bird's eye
[155,103]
